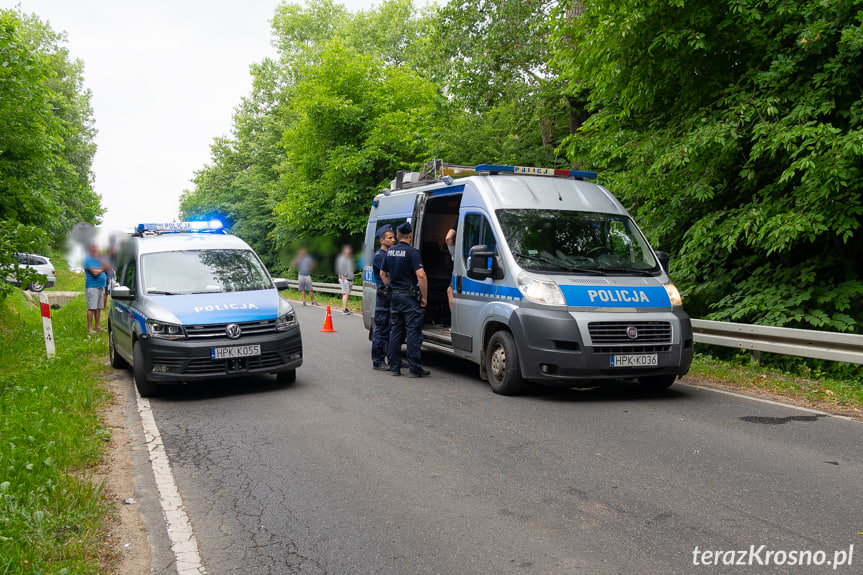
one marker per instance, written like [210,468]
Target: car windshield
[561,241]
[202,271]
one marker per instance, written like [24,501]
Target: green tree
[46,137]
[733,132]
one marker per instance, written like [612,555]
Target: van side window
[128,278]
[477,231]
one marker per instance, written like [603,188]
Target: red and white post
[46,324]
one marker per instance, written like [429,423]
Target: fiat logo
[632,332]
[233,331]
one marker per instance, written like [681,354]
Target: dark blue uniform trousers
[406,314]
[380,335]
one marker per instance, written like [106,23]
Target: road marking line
[770,401]
[183,542]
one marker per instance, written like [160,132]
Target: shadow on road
[596,390]
[216,389]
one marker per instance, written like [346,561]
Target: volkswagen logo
[631,332]
[233,331]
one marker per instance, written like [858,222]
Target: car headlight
[540,291]
[287,318]
[674,295]
[165,330]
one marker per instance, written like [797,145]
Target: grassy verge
[824,392]
[326,299]
[66,280]
[52,517]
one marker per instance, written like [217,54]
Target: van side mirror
[663,260]
[482,264]
[121,293]
[281,283]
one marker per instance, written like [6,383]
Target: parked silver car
[40,265]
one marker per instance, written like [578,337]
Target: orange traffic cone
[328,323]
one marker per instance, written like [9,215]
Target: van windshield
[202,271]
[560,241]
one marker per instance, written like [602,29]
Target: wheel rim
[111,351]
[36,287]
[498,362]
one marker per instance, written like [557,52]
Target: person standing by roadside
[381,333]
[305,264]
[345,269]
[403,271]
[94,288]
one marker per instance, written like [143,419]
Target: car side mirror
[664,260]
[281,283]
[482,264]
[121,293]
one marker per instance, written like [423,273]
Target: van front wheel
[501,364]
[139,372]
[657,382]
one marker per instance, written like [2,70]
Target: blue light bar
[175,227]
[499,169]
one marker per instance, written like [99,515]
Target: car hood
[231,307]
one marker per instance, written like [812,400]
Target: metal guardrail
[329,288]
[831,346]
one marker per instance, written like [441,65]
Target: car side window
[477,231]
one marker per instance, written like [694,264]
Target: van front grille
[218,329]
[629,333]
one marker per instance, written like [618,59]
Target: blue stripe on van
[610,296]
[492,291]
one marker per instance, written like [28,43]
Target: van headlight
[164,330]
[540,291]
[287,318]
[674,295]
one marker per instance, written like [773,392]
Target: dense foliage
[46,138]
[354,97]
[731,130]
[734,132]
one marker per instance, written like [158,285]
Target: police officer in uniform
[380,335]
[403,271]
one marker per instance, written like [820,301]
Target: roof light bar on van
[529,171]
[175,227]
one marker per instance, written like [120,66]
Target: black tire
[117,360]
[657,382]
[286,377]
[36,287]
[502,366]
[139,371]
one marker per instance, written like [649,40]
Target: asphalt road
[353,471]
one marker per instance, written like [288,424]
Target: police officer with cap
[380,335]
[403,271]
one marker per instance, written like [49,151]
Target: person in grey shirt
[305,264]
[345,269]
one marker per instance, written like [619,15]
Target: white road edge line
[183,542]
[770,401]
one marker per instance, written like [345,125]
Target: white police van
[552,280]
[196,303]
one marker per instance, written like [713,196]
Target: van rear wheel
[502,366]
[657,382]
